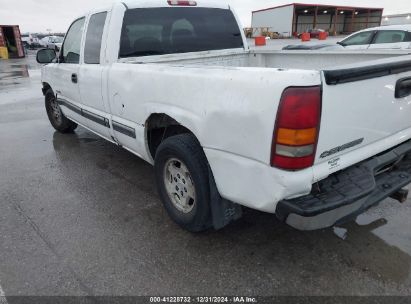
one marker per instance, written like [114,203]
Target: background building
[298,18]
[396,19]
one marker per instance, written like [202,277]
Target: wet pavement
[80,216]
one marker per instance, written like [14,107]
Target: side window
[71,47]
[390,37]
[94,36]
[359,39]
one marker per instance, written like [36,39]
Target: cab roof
[403,27]
[163,3]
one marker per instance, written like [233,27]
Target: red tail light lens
[297,127]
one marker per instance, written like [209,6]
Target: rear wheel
[57,119]
[182,178]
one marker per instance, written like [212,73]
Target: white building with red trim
[298,17]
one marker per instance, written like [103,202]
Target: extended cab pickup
[175,83]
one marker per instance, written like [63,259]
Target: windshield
[158,31]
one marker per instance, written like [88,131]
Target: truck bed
[311,60]
[360,116]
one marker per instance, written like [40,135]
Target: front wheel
[57,119]
[181,171]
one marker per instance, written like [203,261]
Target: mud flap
[223,211]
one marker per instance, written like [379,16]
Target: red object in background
[317,33]
[260,41]
[323,36]
[17,37]
[2,42]
[19,44]
[305,37]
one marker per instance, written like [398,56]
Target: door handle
[74,78]
[403,88]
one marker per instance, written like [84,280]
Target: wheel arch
[222,211]
[160,126]
[45,88]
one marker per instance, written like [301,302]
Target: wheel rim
[179,185]
[55,110]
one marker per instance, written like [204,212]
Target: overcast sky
[40,15]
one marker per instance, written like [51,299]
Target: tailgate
[366,109]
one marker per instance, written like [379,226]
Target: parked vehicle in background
[175,83]
[31,40]
[313,47]
[384,37]
[52,42]
[394,37]
[43,41]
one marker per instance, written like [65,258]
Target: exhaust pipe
[400,195]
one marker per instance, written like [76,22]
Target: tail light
[297,127]
[182,3]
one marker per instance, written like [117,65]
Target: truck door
[90,78]
[65,75]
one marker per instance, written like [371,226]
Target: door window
[390,37]
[71,48]
[359,39]
[94,37]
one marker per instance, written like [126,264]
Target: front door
[91,77]
[65,76]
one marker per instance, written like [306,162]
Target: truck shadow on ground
[258,243]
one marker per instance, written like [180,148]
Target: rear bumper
[348,193]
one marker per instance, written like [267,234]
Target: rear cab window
[160,31]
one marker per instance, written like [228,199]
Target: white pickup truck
[175,83]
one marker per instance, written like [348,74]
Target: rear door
[391,40]
[90,76]
[65,75]
[365,105]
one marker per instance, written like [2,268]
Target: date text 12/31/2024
[238,299]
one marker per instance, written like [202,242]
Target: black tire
[186,148]
[57,119]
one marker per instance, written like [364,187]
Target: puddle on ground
[395,230]
[14,74]
[380,246]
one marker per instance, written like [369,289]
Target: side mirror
[45,56]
